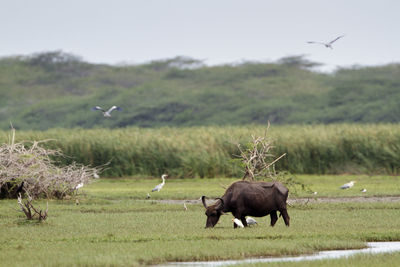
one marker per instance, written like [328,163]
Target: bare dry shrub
[257,158]
[258,162]
[34,165]
[32,212]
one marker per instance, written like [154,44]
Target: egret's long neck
[163,180]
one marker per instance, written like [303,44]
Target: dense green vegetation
[111,226]
[55,89]
[210,151]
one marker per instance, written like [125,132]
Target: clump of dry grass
[34,165]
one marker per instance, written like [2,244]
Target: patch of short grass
[324,185]
[136,188]
[329,185]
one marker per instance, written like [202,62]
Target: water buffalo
[244,198]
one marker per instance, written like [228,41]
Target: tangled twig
[256,158]
[30,211]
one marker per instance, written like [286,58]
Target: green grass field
[324,185]
[115,225]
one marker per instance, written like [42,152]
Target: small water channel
[373,248]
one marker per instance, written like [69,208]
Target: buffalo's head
[213,212]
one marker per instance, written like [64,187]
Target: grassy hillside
[55,89]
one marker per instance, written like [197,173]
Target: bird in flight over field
[329,44]
[107,113]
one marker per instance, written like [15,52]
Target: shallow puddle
[373,247]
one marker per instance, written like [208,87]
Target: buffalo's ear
[203,199]
[220,205]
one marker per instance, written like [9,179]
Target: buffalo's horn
[203,199]
[221,205]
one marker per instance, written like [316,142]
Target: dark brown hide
[246,198]
[213,212]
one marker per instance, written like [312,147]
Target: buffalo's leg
[243,219]
[285,216]
[274,217]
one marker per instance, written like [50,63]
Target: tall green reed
[210,151]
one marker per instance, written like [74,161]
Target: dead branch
[257,158]
[31,212]
[25,208]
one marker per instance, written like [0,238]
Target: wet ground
[373,248]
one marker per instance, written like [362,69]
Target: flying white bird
[327,45]
[160,186]
[348,185]
[108,112]
[363,190]
[238,222]
[251,221]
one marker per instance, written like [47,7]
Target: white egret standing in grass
[160,186]
[107,113]
[78,186]
[238,222]
[148,196]
[251,221]
[184,206]
[327,45]
[348,185]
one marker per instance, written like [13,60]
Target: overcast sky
[217,31]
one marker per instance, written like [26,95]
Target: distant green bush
[210,151]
